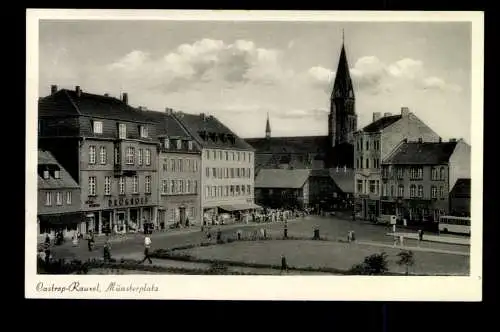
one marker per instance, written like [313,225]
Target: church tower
[342,120]
[268,128]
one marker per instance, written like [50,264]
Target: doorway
[182,215]
[120,221]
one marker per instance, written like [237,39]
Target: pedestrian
[284,266]
[47,255]
[107,251]
[90,240]
[401,240]
[147,246]
[47,239]
[75,240]
[265,234]
[238,234]
[353,236]
[349,236]
[421,235]
[262,233]
[394,228]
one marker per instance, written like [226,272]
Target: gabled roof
[381,123]
[426,153]
[165,123]
[344,178]
[64,182]
[67,102]
[462,187]
[282,178]
[294,144]
[195,124]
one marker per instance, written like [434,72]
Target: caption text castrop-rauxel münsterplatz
[76,286]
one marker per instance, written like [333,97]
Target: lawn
[304,253]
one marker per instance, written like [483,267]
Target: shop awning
[61,219]
[240,207]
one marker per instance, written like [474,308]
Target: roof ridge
[72,101]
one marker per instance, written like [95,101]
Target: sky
[242,71]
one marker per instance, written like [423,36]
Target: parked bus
[454,224]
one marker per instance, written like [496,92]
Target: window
[243,187]
[392,190]
[226,191]
[179,144]
[238,173]
[143,131]
[130,155]
[357,163]
[441,173]
[97,127]
[107,185]
[413,191]
[401,191]
[147,184]
[384,189]
[214,155]
[147,157]
[207,154]
[232,173]
[48,199]
[121,184]
[219,191]
[166,143]
[190,145]
[367,145]
[249,189]
[441,192]
[140,153]
[46,174]
[195,189]
[135,184]
[433,192]
[188,186]
[92,185]
[207,172]
[68,198]
[57,174]
[372,186]
[207,191]
[367,162]
[172,187]
[244,156]
[420,173]
[420,191]
[214,172]
[232,156]
[58,198]
[359,186]
[227,155]
[416,173]
[103,154]
[164,187]
[238,156]
[91,154]
[435,173]
[237,190]
[231,190]
[122,131]
[400,173]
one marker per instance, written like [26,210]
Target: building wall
[74,206]
[275,198]
[410,127]
[220,182]
[169,201]
[66,151]
[321,190]
[460,162]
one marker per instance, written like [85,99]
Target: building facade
[58,198]
[460,198]
[417,178]
[109,147]
[179,172]
[284,188]
[227,166]
[372,144]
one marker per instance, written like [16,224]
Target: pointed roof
[268,126]
[342,87]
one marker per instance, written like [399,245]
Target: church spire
[268,127]
[342,87]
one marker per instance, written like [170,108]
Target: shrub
[406,258]
[375,264]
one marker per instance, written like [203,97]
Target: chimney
[387,114]
[125,98]
[405,111]
[453,140]
[78,91]
[203,116]
[53,89]
[376,116]
[440,139]
[106,95]
[420,140]
[168,110]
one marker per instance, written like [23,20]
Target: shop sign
[122,201]
[92,203]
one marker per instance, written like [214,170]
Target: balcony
[124,170]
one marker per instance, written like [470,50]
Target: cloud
[373,76]
[203,61]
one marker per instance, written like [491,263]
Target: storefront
[181,210]
[68,223]
[367,208]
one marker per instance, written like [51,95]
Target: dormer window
[179,144]
[46,174]
[190,145]
[57,174]
[143,131]
[166,143]
[97,127]
[122,131]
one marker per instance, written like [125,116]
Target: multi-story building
[417,178]
[372,145]
[58,197]
[108,147]
[227,166]
[179,172]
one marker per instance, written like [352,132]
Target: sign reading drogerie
[127,201]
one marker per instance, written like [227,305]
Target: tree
[406,258]
[375,264]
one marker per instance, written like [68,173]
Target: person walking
[107,251]
[147,247]
[284,267]
[90,240]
